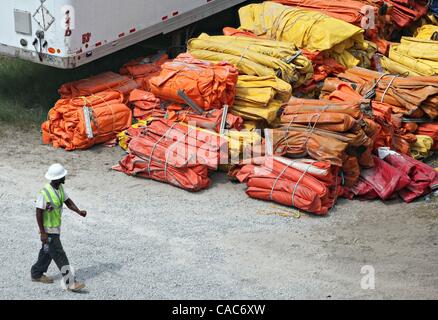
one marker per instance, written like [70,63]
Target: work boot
[76,287]
[43,279]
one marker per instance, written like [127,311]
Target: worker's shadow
[96,270]
[84,274]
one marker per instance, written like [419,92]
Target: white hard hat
[56,172]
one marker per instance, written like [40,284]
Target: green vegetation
[28,90]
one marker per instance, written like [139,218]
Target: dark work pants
[56,253]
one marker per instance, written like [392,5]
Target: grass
[28,90]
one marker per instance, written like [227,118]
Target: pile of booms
[145,105]
[337,133]
[410,102]
[312,186]
[394,174]
[172,130]
[208,85]
[172,152]
[79,123]
[323,65]
[414,56]
[380,19]
[254,56]
[99,83]
[364,126]
[309,30]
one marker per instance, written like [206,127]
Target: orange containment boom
[209,85]
[82,122]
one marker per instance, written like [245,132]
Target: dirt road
[147,240]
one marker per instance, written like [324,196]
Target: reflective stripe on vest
[52,219]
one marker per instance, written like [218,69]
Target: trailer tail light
[86,37]
[51,50]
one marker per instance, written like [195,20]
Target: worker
[48,215]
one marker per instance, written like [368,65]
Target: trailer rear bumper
[33,56]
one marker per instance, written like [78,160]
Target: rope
[170,149]
[278,178]
[155,146]
[368,94]
[310,129]
[387,88]
[298,183]
[242,56]
[287,131]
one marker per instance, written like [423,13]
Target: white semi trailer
[69,33]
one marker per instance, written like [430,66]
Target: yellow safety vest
[52,218]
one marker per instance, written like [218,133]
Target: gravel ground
[147,240]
